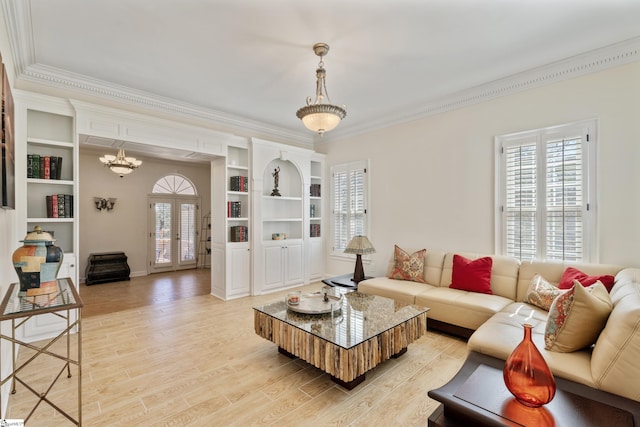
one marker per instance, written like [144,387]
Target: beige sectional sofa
[493,323]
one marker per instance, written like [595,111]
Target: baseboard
[448,328]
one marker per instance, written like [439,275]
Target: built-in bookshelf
[237,195]
[45,129]
[315,200]
[317,194]
[50,136]
[282,217]
[230,222]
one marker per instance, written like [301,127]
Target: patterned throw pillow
[408,267]
[541,293]
[577,317]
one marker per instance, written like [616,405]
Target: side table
[343,281]
[477,396]
[19,308]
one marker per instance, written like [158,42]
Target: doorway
[173,233]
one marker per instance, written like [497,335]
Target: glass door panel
[163,231]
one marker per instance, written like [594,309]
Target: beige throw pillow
[577,317]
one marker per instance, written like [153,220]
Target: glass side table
[18,307]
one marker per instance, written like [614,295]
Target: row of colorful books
[234,209]
[44,167]
[239,233]
[315,230]
[239,183]
[59,206]
[315,190]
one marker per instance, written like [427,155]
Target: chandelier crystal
[317,115]
[120,164]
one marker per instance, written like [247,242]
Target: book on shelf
[314,230]
[59,206]
[239,183]
[47,167]
[234,209]
[315,190]
[35,167]
[44,167]
[239,233]
[29,165]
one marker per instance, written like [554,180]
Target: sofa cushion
[500,335]
[399,290]
[571,274]
[614,362]
[471,275]
[408,266]
[462,308]
[541,293]
[577,317]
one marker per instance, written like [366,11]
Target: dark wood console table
[477,396]
[107,267]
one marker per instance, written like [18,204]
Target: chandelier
[120,164]
[317,115]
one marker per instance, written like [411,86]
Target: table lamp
[359,245]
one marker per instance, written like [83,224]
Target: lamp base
[358,273]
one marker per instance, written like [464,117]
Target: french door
[173,233]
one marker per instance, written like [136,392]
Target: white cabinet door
[240,271]
[273,266]
[316,258]
[293,264]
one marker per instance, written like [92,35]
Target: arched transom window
[174,184]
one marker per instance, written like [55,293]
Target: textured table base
[345,365]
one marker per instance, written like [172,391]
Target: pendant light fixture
[317,115]
[120,164]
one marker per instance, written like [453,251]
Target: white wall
[125,227]
[432,179]
[9,241]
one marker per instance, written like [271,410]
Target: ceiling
[250,63]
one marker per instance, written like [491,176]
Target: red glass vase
[527,375]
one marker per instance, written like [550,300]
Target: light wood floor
[183,360]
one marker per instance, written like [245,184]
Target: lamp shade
[359,245]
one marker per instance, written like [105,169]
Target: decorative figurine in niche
[276,179]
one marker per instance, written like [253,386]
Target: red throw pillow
[571,274]
[474,276]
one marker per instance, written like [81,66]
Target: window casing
[545,193]
[349,211]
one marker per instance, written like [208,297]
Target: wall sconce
[104,203]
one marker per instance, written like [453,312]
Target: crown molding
[62,79]
[593,61]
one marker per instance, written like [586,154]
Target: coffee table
[364,331]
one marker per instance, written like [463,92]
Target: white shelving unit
[230,230]
[317,191]
[45,126]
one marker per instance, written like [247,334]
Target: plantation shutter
[564,199]
[349,203]
[521,200]
[188,231]
[545,188]
[340,211]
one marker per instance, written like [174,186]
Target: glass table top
[356,318]
[62,296]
